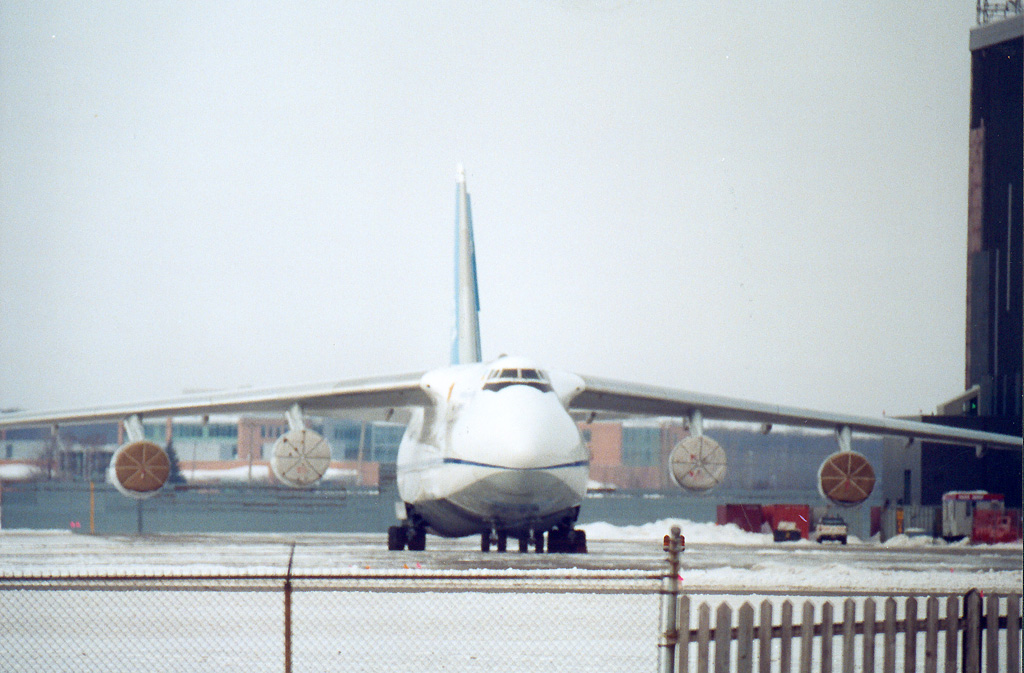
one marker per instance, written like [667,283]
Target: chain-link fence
[452,621]
[481,620]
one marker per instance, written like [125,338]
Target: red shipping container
[797,514]
[748,517]
[992,526]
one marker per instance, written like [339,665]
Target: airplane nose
[522,461]
[521,429]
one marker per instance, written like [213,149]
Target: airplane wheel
[502,542]
[524,544]
[559,541]
[485,542]
[579,541]
[396,538]
[417,540]
[538,541]
[554,541]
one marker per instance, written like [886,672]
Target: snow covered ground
[717,558]
[422,610]
[725,557]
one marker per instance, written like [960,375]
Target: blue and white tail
[466,337]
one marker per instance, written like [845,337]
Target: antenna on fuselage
[466,338]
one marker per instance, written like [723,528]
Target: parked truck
[831,528]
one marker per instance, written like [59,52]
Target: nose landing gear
[561,540]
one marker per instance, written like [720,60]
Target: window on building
[345,440]
[383,440]
[641,446]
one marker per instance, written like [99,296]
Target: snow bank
[19,472]
[927,541]
[692,531]
[731,534]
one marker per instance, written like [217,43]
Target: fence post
[806,637]
[764,654]
[745,640]
[683,625]
[786,649]
[889,636]
[849,632]
[952,629]
[827,628]
[992,632]
[703,637]
[931,637]
[723,638]
[972,632]
[1013,633]
[288,613]
[910,635]
[868,642]
[674,544]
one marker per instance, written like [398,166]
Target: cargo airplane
[493,448]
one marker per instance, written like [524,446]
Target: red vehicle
[784,522]
[958,508]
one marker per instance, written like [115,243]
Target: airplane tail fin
[466,338]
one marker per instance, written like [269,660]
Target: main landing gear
[402,537]
[567,541]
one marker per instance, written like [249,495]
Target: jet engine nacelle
[300,458]
[139,469]
[846,478]
[697,463]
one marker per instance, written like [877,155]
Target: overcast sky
[763,200]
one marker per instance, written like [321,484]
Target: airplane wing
[389,392]
[617,398]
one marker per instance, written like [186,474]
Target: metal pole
[288,614]
[674,544]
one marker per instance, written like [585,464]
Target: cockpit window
[498,379]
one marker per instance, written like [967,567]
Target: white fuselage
[493,453]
